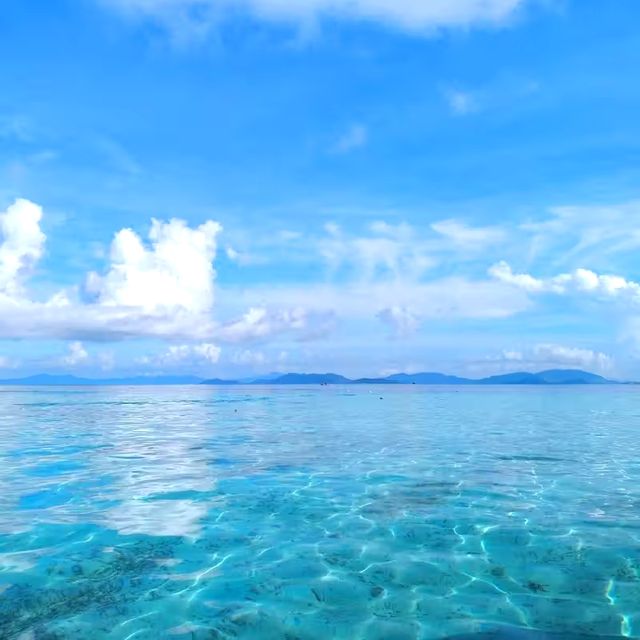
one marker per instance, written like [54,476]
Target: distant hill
[572,376]
[519,377]
[308,378]
[550,377]
[45,379]
[553,376]
[218,381]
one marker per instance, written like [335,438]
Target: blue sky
[361,187]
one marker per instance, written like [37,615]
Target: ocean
[300,513]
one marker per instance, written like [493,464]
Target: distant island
[550,377]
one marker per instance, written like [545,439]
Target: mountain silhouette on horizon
[549,377]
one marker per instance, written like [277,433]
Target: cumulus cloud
[162,288]
[76,355]
[175,272]
[582,281]
[194,18]
[207,351]
[22,245]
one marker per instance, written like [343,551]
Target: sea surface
[300,513]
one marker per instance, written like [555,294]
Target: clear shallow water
[322,512]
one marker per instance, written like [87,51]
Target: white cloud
[591,233]
[259,323]
[194,18]
[502,271]
[240,257]
[72,320]
[355,137]
[164,288]
[288,235]
[450,298]
[382,250]
[547,355]
[207,351]
[573,356]
[582,281]
[76,355]
[106,360]
[403,320]
[248,357]
[22,245]
[468,237]
[161,288]
[386,251]
[461,103]
[204,353]
[175,272]
[511,356]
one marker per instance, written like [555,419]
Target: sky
[233,187]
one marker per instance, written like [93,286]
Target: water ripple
[319,513]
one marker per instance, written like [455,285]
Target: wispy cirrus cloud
[385,250]
[589,233]
[355,137]
[468,237]
[188,19]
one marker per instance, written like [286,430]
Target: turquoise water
[330,512]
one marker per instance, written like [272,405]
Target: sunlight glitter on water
[310,513]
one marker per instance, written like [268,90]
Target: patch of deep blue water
[325,512]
